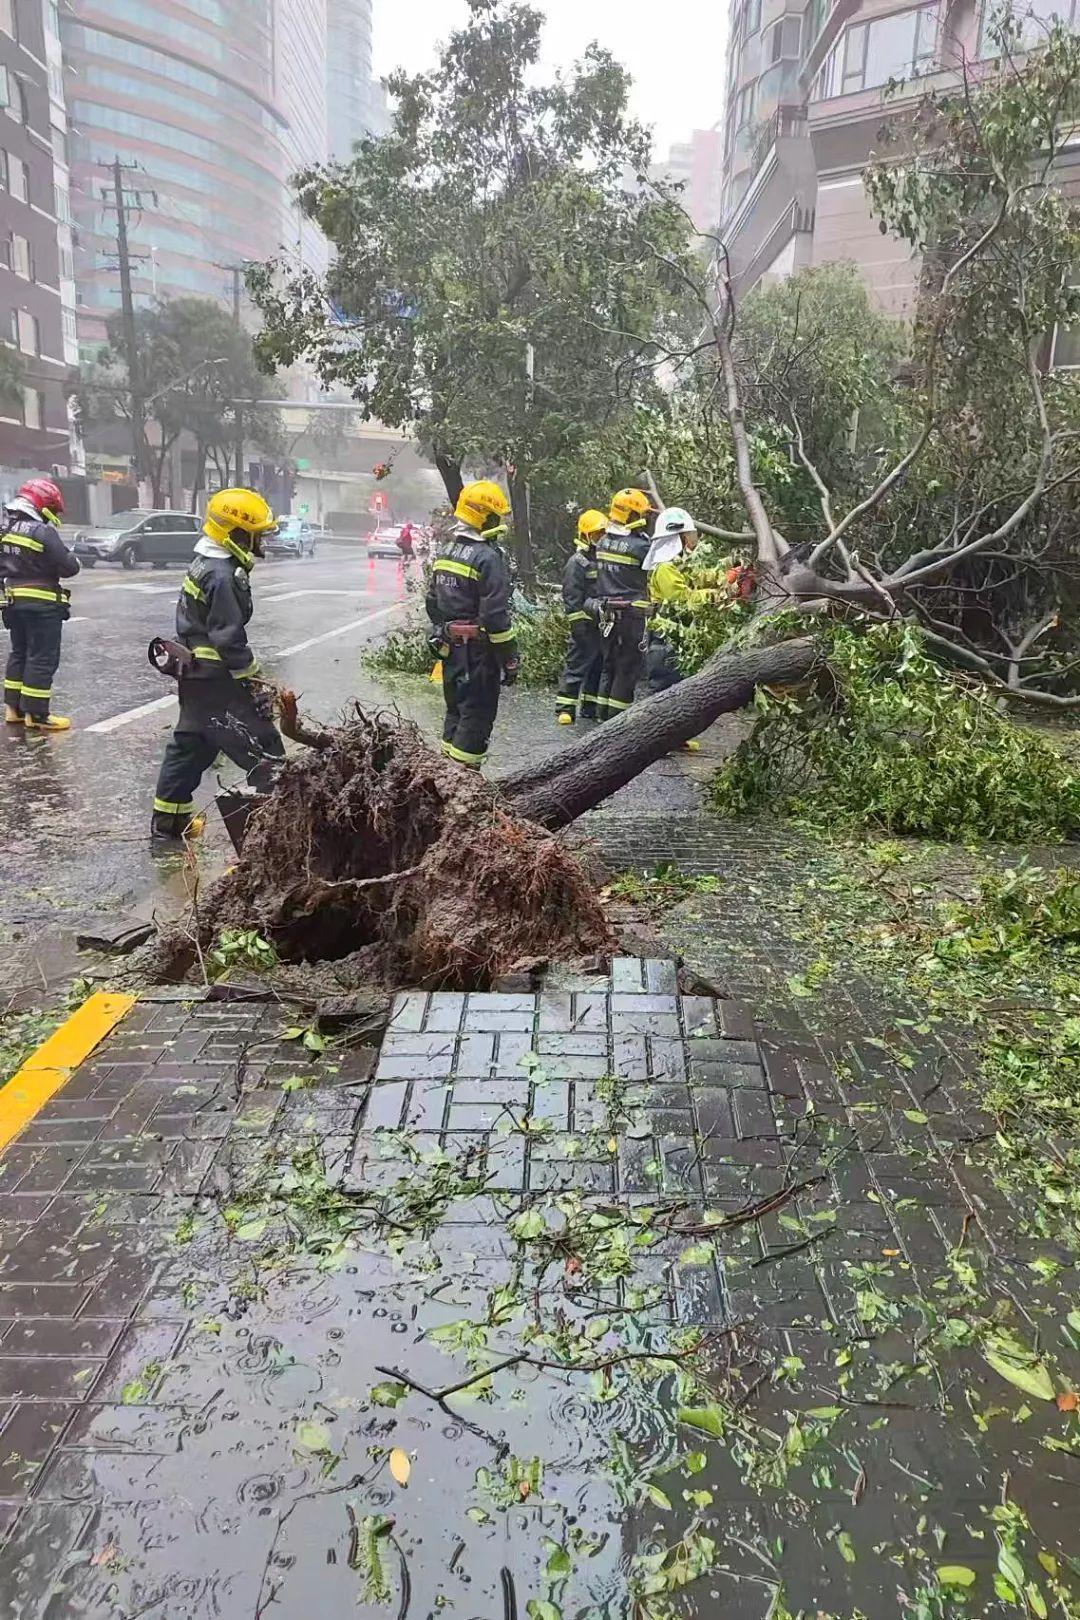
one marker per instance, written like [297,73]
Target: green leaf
[657,1496]
[709,1419]
[559,1563]
[250,1231]
[312,1436]
[916,1116]
[387,1394]
[700,1499]
[1011,1568]
[541,1609]
[846,1547]
[694,1462]
[314,1041]
[1073,1320]
[1019,1368]
[294,1034]
[1036,1601]
[698,1254]
[956,1575]
[527,1225]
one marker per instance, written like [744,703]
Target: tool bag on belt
[465,632]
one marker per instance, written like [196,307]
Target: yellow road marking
[56,1060]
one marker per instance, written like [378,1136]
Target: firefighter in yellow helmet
[585,659]
[623,591]
[221,710]
[468,602]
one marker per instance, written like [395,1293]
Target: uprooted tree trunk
[375,853]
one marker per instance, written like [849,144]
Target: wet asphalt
[75,808]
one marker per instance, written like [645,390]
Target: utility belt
[173,659]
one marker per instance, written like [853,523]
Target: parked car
[294,537]
[134,537]
[384,542]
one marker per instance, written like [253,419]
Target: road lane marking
[102,728]
[291,595]
[143,590]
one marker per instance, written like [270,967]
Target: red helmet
[43,495]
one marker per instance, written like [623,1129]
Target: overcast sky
[673,48]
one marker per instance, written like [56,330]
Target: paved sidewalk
[235,1277]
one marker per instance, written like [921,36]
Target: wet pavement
[74,852]
[610,1303]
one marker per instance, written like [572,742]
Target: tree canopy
[500,277]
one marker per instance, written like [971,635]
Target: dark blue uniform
[33,561]
[623,587]
[468,602]
[585,658]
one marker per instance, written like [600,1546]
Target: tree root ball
[377,854]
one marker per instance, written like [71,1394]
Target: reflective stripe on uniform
[462,757]
[30,593]
[190,588]
[13,686]
[162,807]
[42,692]
[565,702]
[210,653]
[447,565]
[497,636]
[646,605]
[624,557]
[248,674]
[574,618]
[613,703]
[22,540]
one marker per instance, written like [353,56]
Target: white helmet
[674,520]
[667,543]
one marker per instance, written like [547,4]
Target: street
[75,808]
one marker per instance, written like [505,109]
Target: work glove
[510,673]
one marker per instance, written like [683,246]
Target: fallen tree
[375,853]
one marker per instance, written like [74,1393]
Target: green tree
[196,364]
[495,286]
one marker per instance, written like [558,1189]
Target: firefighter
[468,602]
[220,710]
[33,561]
[585,659]
[623,591]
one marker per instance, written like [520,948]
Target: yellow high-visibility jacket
[668,584]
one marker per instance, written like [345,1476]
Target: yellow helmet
[590,526]
[630,507]
[479,502]
[231,509]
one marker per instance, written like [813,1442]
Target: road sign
[302,463]
[304,508]
[380,501]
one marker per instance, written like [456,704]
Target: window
[18,179]
[62,199]
[7,17]
[60,147]
[783,39]
[744,106]
[29,332]
[33,408]
[5,88]
[71,331]
[752,15]
[67,264]
[21,261]
[56,81]
[900,46]
[12,95]
[52,19]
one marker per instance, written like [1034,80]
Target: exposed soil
[378,855]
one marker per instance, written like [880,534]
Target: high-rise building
[356,102]
[806,82]
[212,106]
[698,166]
[36,285]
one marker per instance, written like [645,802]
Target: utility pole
[127,308]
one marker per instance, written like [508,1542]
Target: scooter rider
[220,711]
[585,658]
[468,602]
[33,561]
[623,591]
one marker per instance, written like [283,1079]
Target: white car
[384,542]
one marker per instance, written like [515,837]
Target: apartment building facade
[806,103]
[37,294]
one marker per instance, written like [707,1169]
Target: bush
[542,638]
[900,744]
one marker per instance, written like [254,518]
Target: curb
[55,1061]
